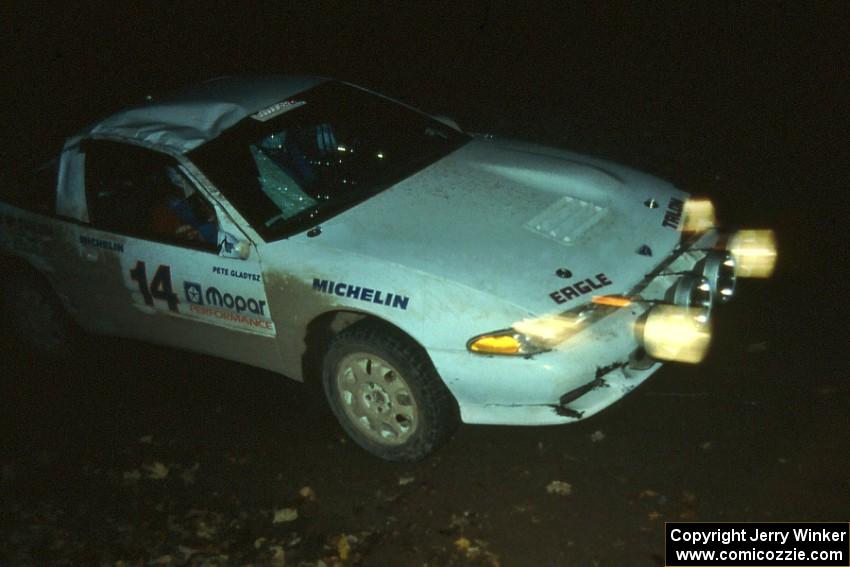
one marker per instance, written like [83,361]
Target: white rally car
[436,276]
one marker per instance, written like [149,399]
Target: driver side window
[142,193]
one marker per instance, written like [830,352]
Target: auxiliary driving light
[718,267]
[672,332]
[754,252]
[698,215]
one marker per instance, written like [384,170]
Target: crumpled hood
[527,224]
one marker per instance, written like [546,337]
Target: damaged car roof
[189,118]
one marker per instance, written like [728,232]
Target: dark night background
[745,103]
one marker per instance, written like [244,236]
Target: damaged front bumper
[582,377]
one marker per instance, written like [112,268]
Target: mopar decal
[673,215]
[236,273]
[362,293]
[232,317]
[193,293]
[580,288]
[196,295]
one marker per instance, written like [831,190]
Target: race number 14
[160,285]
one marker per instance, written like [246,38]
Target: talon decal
[673,216]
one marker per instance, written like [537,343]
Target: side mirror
[230,246]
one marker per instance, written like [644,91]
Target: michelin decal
[368,294]
[109,245]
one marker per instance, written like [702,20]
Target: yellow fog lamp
[754,252]
[672,332]
[698,215]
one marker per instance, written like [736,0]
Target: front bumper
[613,387]
[583,376]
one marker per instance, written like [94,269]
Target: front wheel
[386,394]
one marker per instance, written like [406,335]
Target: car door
[160,265]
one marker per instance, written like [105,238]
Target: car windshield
[301,161]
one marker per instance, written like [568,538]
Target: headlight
[532,336]
[754,252]
[671,332]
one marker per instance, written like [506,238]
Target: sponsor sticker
[207,301]
[580,288]
[370,295]
[277,109]
[233,273]
[102,244]
[224,315]
[228,307]
[673,214]
[211,296]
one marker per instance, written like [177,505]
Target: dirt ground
[140,455]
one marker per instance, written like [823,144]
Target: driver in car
[183,213]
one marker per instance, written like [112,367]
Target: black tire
[405,409]
[36,319]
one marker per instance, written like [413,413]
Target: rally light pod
[698,215]
[675,333]
[692,290]
[754,252]
[718,267]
